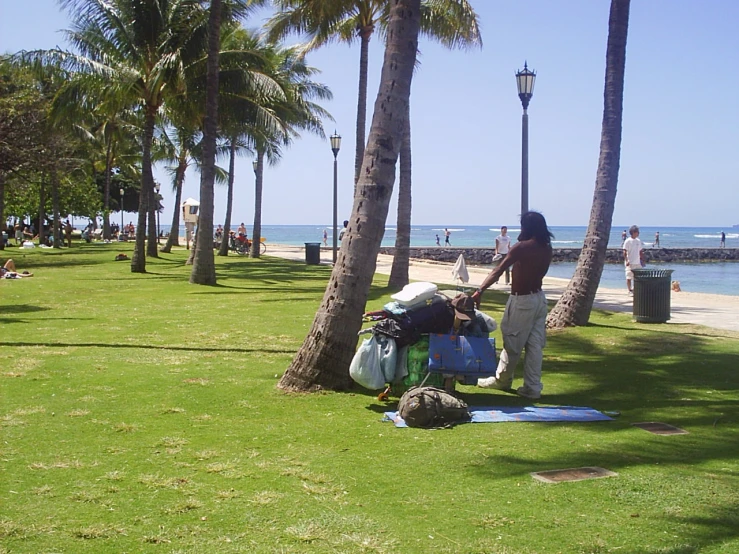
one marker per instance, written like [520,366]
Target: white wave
[566,242]
[451,230]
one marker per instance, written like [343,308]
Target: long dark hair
[534,226]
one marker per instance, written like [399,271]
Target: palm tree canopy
[453,23]
[142,48]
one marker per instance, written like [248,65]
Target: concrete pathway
[712,310]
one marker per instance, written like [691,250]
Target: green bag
[418,364]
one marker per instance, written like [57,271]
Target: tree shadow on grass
[716,528]
[149,347]
[22,309]
[648,375]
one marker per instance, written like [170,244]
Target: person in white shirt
[502,245]
[633,255]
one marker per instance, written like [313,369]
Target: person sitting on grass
[9,271]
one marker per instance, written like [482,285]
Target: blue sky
[680,150]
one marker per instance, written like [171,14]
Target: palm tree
[142,49]
[233,146]
[455,25]
[203,267]
[451,22]
[323,359]
[401,257]
[246,89]
[176,147]
[106,127]
[267,99]
[575,305]
[326,21]
[203,271]
[294,111]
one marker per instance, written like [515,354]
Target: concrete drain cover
[572,474]
[660,428]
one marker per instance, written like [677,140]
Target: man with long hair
[524,320]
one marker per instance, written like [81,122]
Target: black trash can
[312,253]
[652,289]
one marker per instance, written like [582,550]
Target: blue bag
[457,354]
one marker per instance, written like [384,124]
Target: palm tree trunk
[2,208]
[55,208]
[174,231]
[106,192]
[364,35]
[41,210]
[575,305]
[323,359]
[223,249]
[151,241]
[256,231]
[203,267]
[138,261]
[399,271]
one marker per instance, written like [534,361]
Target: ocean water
[713,277]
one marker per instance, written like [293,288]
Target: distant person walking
[502,245]
[656,239]
[325,237]
[68,233]
[343,231]
[723,240]
[438,242]
[633,255]
[623,237]
[447,234]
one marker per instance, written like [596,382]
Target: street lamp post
[121,229]
[157,188]
[525,80]
[335,146]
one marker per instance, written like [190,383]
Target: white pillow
[414,294]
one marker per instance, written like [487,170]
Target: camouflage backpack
[431,407]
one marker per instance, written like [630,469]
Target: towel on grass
[498,414]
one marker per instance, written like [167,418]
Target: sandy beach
[712,310]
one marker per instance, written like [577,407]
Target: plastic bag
[490,323]
[401,367]
[365,367]
[388,357]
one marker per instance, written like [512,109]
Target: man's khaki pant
[523,327]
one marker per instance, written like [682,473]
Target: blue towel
[497,414]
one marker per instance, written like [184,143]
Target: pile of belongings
[397,352]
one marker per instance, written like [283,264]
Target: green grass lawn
[139,413]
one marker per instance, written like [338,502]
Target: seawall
[484,256]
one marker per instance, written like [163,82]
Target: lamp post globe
[525,79]
[335,147]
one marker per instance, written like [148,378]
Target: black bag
[436,317]
[432,407]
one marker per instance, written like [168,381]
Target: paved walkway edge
[713,310]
